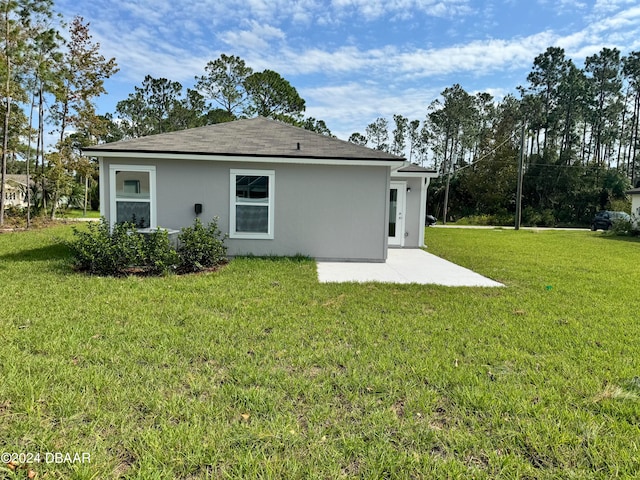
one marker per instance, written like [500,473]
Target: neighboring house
[276,189]
[15,191]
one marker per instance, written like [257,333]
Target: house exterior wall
[414,211]
[14,195]
[413,227]
[635,206]
[326,212]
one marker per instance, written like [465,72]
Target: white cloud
[344,79]
[257,37]
[609,6]
[477,57]
[621,30]
[141,49]
[623,19]
[564,6]
[373,9]
[350,107]
[392,63]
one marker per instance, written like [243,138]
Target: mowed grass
[77,213]
[257,370]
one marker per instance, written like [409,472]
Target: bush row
[122,250]
[625,228]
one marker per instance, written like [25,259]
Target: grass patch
[257,370]
[77,213]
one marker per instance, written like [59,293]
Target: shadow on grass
[619,238]
[55,251]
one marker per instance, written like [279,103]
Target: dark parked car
[604,219]
[430,220]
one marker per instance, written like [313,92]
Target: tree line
[228,90]
[582,150]
[581,144]
[47,81]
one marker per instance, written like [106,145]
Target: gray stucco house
[276,189]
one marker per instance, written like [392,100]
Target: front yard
[257,370]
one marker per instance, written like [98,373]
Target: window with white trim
[251,204]
[132,194]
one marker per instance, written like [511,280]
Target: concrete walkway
[404,266]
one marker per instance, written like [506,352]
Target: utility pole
[520,178]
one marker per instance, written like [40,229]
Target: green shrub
[497,219]
[121,250]
[201,247]
[623,228]
[11,211]
[538,218]
[104,252]
[159,256]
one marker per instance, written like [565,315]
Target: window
[132,193]
[132,186]
[251,204]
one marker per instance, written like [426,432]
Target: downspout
[423,210]
[385,225]
[102,187]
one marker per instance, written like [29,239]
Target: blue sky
[353,60]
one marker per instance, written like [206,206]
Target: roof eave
[244,158]
[413,174]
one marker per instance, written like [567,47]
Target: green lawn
[77,213]
[259,371]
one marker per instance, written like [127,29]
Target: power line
[486,155]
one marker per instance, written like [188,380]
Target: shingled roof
[254,137]
[413,168]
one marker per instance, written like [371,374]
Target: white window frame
[113,211]
[271,175]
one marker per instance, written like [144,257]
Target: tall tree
[573,93]
[82,74]
[548,70]
[190,112]
[151,108]
[399,135]
[314,125]
[378,134]
[485,115]
[631,71]
[16,22]
[358,139]
[605,69]
[414,138]
[272,96]
[42,81]
[224,83]
[452,121]
[81,77]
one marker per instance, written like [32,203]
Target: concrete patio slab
[404,266]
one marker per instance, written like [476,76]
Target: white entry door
[397,202]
